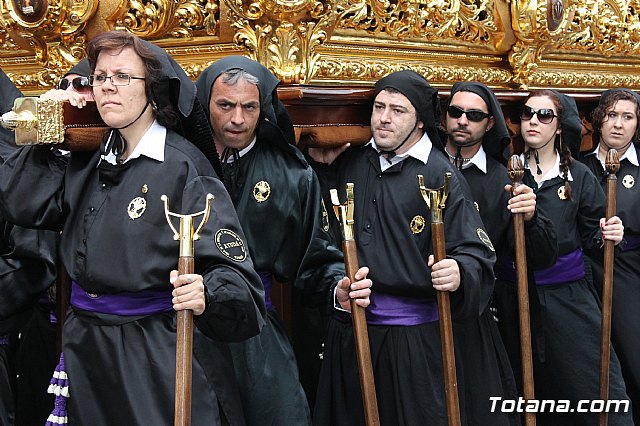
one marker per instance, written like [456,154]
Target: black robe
[566,334]
[625,320]
[122,368]
[407,360]
[287,236]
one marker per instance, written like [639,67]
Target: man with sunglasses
[477,137]
[394,239]
[73,87]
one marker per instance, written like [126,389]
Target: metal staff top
[344,212]
[435,198]
[186,235]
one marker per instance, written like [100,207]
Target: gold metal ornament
[417,224]
[325,217]
[561,193]
[145,188]
[136,207]
[476,206]
[261,191]
[628,181]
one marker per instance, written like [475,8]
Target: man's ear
[492,122]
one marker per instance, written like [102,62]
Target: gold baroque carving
[462,20]
[177,19]
[586,79]
[372,70]
[51,31]
[283,35]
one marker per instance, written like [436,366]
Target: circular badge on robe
[417,224]
[230,245]
[136,208]
[485,238]
[561,193]
[261,191]
[628,181]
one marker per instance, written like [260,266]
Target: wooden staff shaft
[361,335]
[607,298]
[184,355]
[446,333]
[523,313]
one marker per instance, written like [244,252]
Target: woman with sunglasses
[566,315]
[119,339]
[615,124]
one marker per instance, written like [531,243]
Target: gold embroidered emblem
[561,193]
[417,224]
[230,245]
[136,208]
[628,181]
[325,218]
[477,206]
[485,238]
[261,191]
[145,188]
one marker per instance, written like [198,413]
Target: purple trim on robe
[4,339]
[146,302]
[631,243]
[265,277]
[568,268]
[386,309]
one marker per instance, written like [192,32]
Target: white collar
[242,152]
[479,160]
[151,145]
[549,174]
[420,151]
[630,154]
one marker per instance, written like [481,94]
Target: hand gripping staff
[435,199]
[184,326]
[612,164]
[516,173]
[344,212]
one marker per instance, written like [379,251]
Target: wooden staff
[184,325]
[612,164]
[516,173]
[344,212]
[435,199]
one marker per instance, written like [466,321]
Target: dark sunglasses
[80,84]
[472,115]
[545,115]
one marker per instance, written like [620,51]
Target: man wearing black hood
[476,139]
[278,199]
[394,239]
[120,332]
[27,270]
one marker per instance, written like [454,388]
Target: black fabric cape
[407,360]
[128,362]
[625,321]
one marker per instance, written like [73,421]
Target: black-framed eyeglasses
[119,79]
[545,115]
[472,115]
[79,84]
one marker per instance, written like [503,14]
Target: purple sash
[265,277]
[568,268]
[631,243]
[4,339]
[386,309]
[146,302]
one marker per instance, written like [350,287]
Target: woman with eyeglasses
[119,340]
[615,124]
[566,315]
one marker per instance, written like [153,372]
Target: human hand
[360,290]
[445,275]
[188,292]
[523,201]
